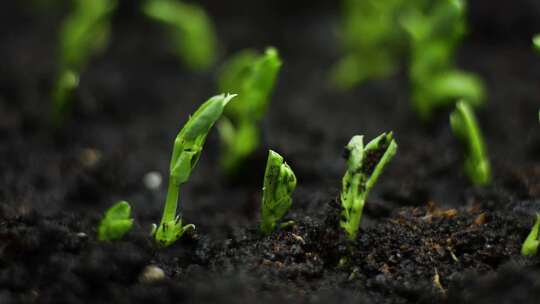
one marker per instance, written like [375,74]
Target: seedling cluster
[375,35]
[252,77]
[86,32]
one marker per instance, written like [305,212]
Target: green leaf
[279,184]
[116,222]
[465,128]
[191,29]
[530,245]
[187,150]
[364,166]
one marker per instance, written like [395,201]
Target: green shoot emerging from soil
[116,222]
[191,30]
[186,152]
[530,246]
[253,77]
[84,33]
[435,31]
[371,40]
[365,165]
[465,128]
[279,184]
[536,42]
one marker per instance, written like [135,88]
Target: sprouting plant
[84,33]
[186,152]
[116,222]
[191,30]
[465,128]
[279,184]
[435,29]
[253,77]
[364,166]
[371,41]
[532,242]
[536,42]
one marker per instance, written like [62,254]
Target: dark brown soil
[427,236]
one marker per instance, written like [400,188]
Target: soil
[427,235]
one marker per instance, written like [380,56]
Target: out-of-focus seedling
[186,152]
[364,166]
[371,41]
[191,30]
[116,222]
[536,42]
[253,77]
[532,242]
[435,30]
[279,184]
[84,33]
[466,129]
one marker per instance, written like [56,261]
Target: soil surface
[427,235]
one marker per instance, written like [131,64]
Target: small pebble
[152,180]
[151,274]
[89,157]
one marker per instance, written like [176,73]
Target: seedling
[364,166]
[116,222]
[371,41]
[191,30]
[279,184]
[84,33]
[465,128]
[536,42]
[253,77]
[186,152]
[434,32]
[530,246]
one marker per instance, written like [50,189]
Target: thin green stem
[171,202]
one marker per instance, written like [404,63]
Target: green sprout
[279,184]
[364,166]
[116,222]
[253,77]
[435,30]
[186,152]
[371,41]
[191,30]
[536,42]
[84,33]
[530,246]
[465,128]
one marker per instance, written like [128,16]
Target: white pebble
[151,274]
[152,180]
